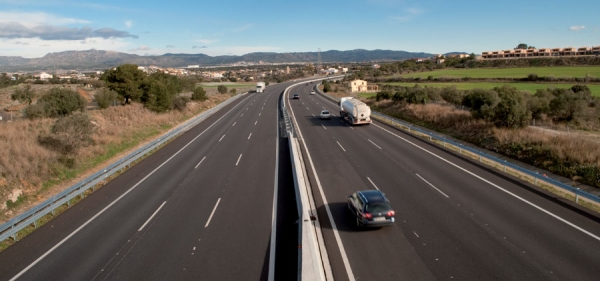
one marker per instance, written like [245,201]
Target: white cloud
[37,48]
[577,28]
[128,23]
[34,19]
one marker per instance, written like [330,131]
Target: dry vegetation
[30,173]
[567,153]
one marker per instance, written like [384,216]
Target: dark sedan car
[371,208]
[296,96]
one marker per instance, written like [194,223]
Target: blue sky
[33,28]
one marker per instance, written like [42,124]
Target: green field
[558,72]
[531,87]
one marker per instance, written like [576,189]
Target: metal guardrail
[537,177]
[12,227]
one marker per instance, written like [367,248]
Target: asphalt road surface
[200,208]
[455,220]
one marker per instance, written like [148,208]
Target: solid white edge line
[374,144]
[340,146]
[496,186]
[432,185]
[150,218]
[200,162]
[212,213]
[238,161]
[113,202]
[373,183]
[272,248]
[336,234]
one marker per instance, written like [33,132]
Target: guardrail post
[505,166]
[577,196]
[480,156]
[460,149]
[536,178]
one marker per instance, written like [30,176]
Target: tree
[521,46]
[199,94]
[159,91]
[24,95]
[127,80]
[326,86]
[222,89]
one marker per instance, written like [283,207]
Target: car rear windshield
[378,207]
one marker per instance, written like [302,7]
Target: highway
[455,220]
[200,208]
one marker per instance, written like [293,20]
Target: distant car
[371,209]
[296,96]
[325,114]
[312,92]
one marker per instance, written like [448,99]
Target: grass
[530,87]
[522,72]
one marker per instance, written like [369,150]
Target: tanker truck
[354,112]
[260,87]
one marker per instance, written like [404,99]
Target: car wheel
[357,222]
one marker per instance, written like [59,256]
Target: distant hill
[98,59]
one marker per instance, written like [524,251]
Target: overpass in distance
[217,203]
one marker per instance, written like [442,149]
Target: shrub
[199,94]
[180,102]
[222,89]
[105,97]
[57,103]
[24,95]
[69,134]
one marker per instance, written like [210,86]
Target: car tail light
[368,216]
[391,213]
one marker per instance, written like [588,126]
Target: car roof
[372,196]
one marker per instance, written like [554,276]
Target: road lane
[173,240]
[471,230]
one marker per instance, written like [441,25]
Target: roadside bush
[383,95]
[57,103]
[482,103]
[532,77]
[222,89]
[565,105]
[511,111]
[180,102]
[25,95]
[105,97]
[69,134]
[35,111]
[199,94]
[539,103]
[233,91]
[452,95]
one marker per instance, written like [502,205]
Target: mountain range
[98,59]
